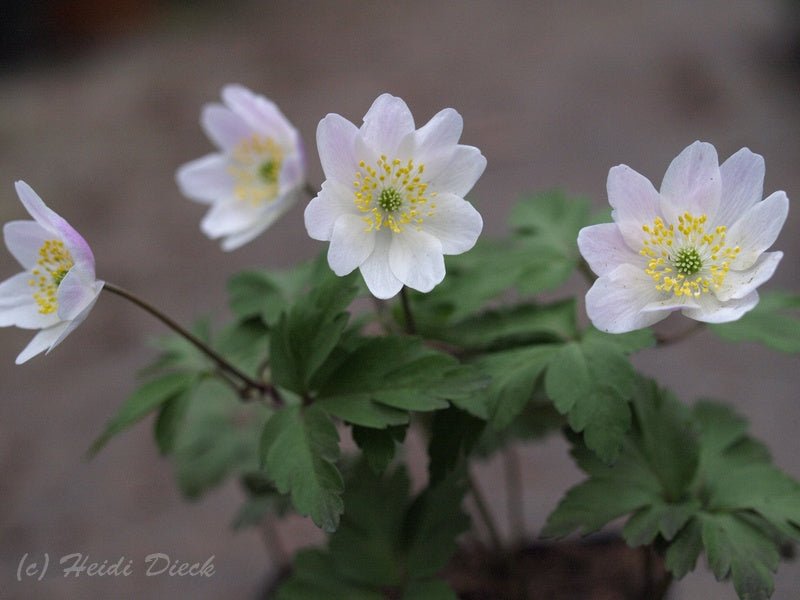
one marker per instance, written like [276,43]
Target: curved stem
[411,326]
[483,509]
[516,513]
[224,365]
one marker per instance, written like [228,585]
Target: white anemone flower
[58,287]
[392,203]
[697,246]
[256,176]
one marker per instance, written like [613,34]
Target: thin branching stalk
[483,510]
[516,515]
[411,326]
[250,384]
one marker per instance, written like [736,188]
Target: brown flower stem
[250,384]
[411,326]
[516,515]
[483,510]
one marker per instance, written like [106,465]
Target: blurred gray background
[99,103]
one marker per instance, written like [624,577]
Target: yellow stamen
[53,264]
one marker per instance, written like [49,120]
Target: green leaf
[299,448]
[169,420]
[737,549]
[266,294]
[454,433]
[218,438]
[314,576]
[378,445]
[519,325]
[304,337]
[143,401]
[429,589]
[399,373]
[627,343]
[591,382]
[774,322]
[681,556]
[245,344]
[514,375]
[547,226]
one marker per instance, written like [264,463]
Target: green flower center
[390,199]
[687,261]
[268,171]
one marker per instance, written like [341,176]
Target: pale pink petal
[742,186]
[260,113]
[757,229]
[604,248]
[458,173]
[17,290]
[350,245]
[336,145]
[42,341]
[711,310]
[616,301]
[386,123]
[24,239]
[635,202]
[77,246]
[416,259]
[376,272]
[321,213]
[223,127]
[206,179]
[455,223]
[739,284]
[692,183]
[292,172]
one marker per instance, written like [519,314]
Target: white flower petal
[75,292]
[223,127]
[322,212]
[635,202]
[42,341]
[260,113]
[24,239]
[230,216]
[604,248]
[742,186]
[376,272]
[269,214]
[455,223]
[739,284]
[712,310]
[292,172]
[757,229]
[616,301]
[416,259]
[692,183]
[437,136]
[386,123]
[458,173]
[206,179]
[80,318]
[336,145]
[672,303]
[350,245]
[18,307]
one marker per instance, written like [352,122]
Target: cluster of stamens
[686,260]
[53,264]
[392,194]
[256,167]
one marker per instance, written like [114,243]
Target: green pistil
[58,276]
[390,199]
[687,261]
[268,171]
